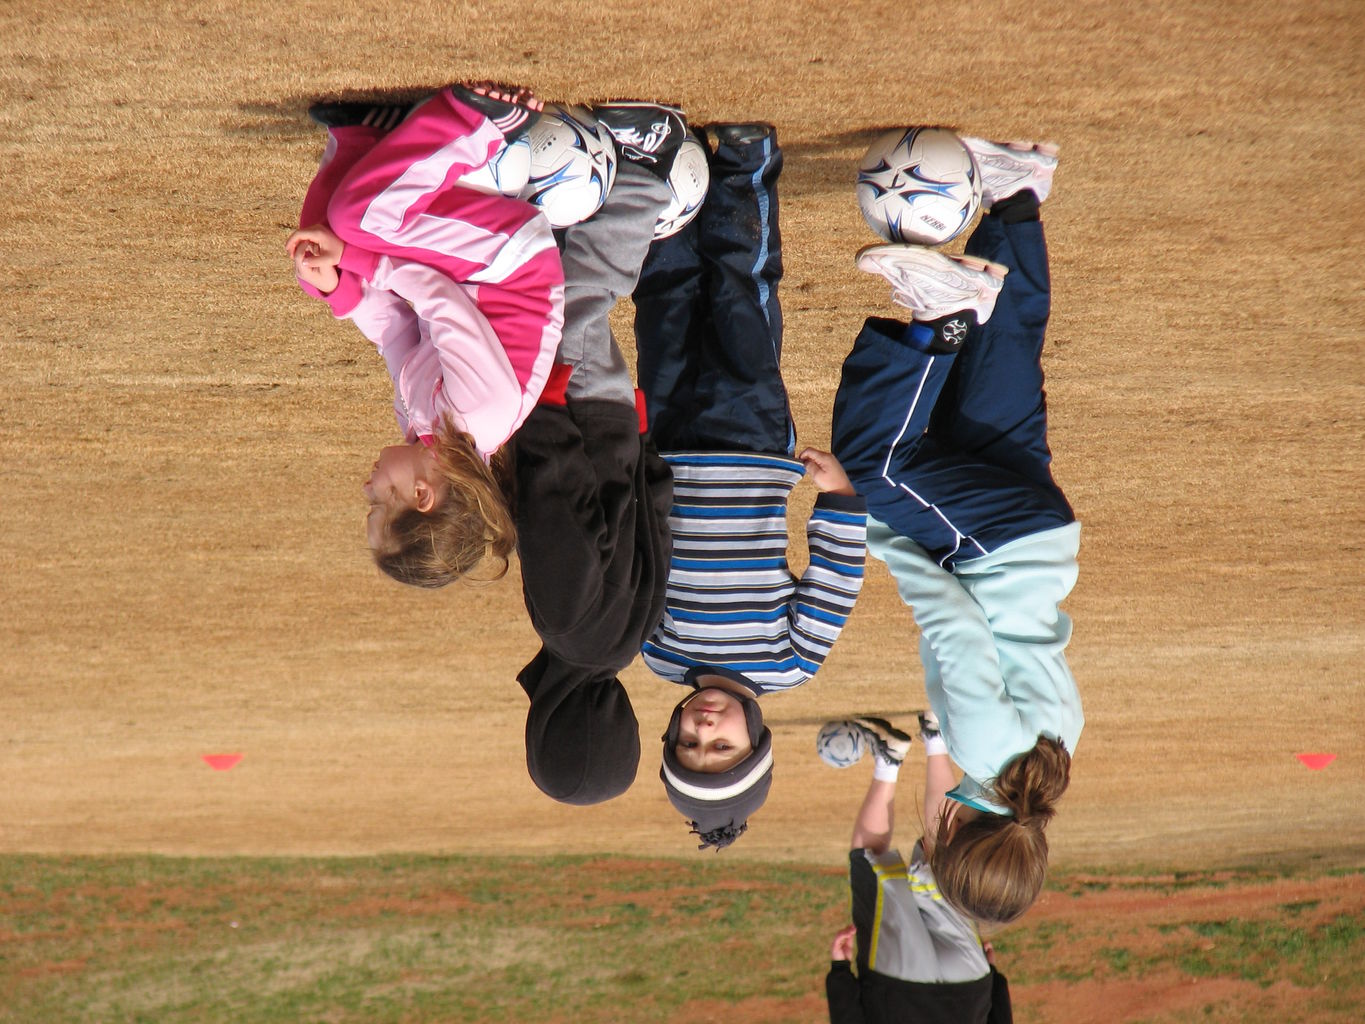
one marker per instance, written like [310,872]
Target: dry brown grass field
[184,434]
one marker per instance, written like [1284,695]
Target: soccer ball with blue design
[688,180]
[919,185]
[840,744]
[506,174]
[573,164]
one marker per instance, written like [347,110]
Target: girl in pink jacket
[461,292]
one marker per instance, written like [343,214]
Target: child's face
[404,476]
[713,734]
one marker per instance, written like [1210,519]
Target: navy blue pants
[951,450]
[707,322]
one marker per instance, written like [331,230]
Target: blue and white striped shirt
[732,600]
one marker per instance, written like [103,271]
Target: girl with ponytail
[942,426]
[991,866]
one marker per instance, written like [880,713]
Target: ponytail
[1031,784]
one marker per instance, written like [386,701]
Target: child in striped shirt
[737,624]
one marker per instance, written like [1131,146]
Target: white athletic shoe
[930,735]
[1010,167]
[932,284]
[928,726]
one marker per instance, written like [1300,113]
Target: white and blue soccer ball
[918,185]
[573,164]
[840,744]
[506,174]
[688,181]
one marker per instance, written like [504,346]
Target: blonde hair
[471,527]
[993,867]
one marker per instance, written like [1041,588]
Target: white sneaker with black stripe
[928,726]
[889,743]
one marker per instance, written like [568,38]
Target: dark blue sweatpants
[951,450]
[707,322]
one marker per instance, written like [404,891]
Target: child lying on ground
[737,624]
[942,424]
[462,294]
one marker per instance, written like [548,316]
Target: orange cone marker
[1316,762]
[221,762]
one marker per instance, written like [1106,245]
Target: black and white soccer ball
[688,181]
[506,174]
[918,185]
[573,164]
[840,744]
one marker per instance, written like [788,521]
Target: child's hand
[324,278]
[825,471]
[320,242]
[843,944]
[316,251]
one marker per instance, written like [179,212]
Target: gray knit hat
[717,805]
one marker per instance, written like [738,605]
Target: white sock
[885,771]
[934,745]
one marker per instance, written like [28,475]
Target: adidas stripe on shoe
[383,116]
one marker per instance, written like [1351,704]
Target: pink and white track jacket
[461,292]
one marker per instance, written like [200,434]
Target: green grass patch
[455,939]
[1300,906]
[401,938]
[1268,950]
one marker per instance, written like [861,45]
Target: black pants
[707,321]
